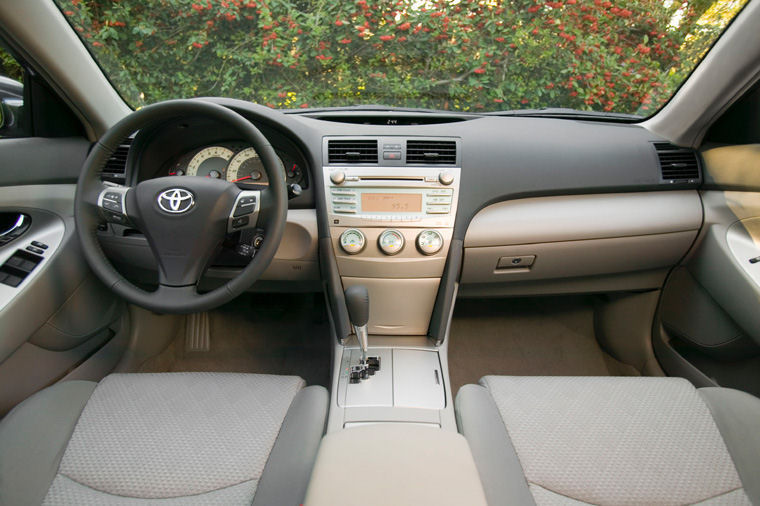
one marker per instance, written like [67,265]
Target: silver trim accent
[19,223]
[363,337]
[176,200]
[109,213]
[253,217]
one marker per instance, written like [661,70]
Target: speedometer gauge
[210,162]
[246,167]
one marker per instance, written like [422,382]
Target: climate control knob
[391,242]
[429,242]
[352,241]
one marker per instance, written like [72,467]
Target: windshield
[456,55]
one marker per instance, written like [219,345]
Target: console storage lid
[395,463]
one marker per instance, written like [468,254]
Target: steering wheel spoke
[112,204]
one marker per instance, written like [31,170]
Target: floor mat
[552,336]
[259,333]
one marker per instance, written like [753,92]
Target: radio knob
[446,178]
[352,241]
[338,177]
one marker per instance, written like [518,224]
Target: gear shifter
[357,302]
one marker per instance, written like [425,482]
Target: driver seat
[167,438]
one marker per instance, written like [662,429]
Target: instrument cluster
[236,163]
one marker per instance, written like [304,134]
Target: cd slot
[391,178]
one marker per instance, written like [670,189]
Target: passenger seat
[611,440]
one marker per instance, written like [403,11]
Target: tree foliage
[444,54]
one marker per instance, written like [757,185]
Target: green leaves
[441,54]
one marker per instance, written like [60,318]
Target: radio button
[344,208]
[440,191]
[439,200]
[438,209]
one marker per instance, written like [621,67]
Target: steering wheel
[184,219]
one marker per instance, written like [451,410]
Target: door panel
[708,326]
[59,316]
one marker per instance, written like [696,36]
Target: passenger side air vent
[117,164]
[352,151]
[677,164]
[431,152]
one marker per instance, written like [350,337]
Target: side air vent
[117,164]
[431,152]
[677,164]
[352,151]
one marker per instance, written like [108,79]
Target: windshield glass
[458,55]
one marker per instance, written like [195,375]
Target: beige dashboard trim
[578,217]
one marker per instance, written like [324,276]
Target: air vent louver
[431,152]
[352,151]
[117,164]
[677,164]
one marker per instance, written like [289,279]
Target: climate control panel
[391,242]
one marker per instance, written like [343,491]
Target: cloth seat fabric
[582,440]
[170,438]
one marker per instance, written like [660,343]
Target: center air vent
[677,164]
[431,152]
[352,151]
[117,165]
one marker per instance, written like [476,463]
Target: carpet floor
[552,336]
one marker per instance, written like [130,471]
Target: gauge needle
[240,179]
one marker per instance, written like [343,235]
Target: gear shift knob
[357,302]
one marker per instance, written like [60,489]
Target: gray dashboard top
[502,158]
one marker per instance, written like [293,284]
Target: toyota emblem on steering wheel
[175,200]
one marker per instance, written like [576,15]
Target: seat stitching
[155,498]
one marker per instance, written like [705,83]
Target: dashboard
[417,211]
[235,162]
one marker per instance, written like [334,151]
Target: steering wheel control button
[446,178]
[352,241]
[429,242]
[245,212]
[244,206]
[391,242]
[240,222]
[176,200]
[338,177]
[112,206]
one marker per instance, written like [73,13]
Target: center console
[391,205]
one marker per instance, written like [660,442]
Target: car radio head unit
[398,196]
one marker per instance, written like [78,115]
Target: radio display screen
[391,202]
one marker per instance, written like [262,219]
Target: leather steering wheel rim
[178,299]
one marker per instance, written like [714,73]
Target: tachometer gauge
[246,167]
[210,162]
